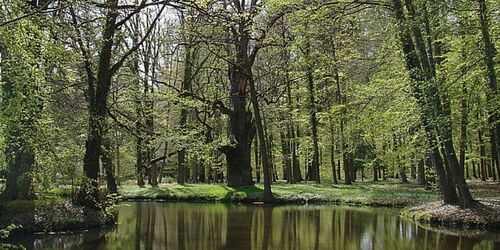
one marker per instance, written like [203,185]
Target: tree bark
[482,155]
[268,195]
[186,87]
[241,127]
[421,173]
[314,172]
[413,65]
[89,192]
[257,160]
[492,94]
[107,162]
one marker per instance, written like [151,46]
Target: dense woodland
[99,93]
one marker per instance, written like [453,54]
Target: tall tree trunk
[291,173]
[492,94]
[463,125]
[89,192]
[149,122]
[332,151]
[241,128]
[139,124]
[186,88]
[313,173]
[343,142]
[268,195]
[420,93]
[443,111]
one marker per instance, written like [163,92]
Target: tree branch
[120,62]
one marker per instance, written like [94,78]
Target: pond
[155,225]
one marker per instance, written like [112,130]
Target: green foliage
[4,233]
[363,94]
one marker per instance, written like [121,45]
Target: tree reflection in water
[152,225]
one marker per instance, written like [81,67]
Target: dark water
[151,225]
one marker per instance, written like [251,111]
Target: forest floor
[380,193]
[485,214]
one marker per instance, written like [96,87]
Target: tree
[23,72]
[98,89]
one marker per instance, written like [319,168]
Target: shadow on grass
[246,193]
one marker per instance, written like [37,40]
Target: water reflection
[224,226]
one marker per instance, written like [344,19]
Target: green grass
[384,193]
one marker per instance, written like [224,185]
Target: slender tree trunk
[186,87]
[421,173]
[268,195]
[314,173]
[420,92]
[107,162]
[338,170]
[118,164]
[139,125]
[332,152]
[291,173]
[481,153]
[492,94]
[443,110]
[297,176]
[287,163]
[463,125]
[343,143]
[474,174]
[164,162]
[413,170]
[257,159]
[345,156]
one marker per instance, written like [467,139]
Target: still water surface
[154,225]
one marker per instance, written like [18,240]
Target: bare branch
[120,62]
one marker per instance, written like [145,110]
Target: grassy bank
[384,193]
[421,205]
[52,213]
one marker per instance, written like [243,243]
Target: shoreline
[485,216]
[413,200]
